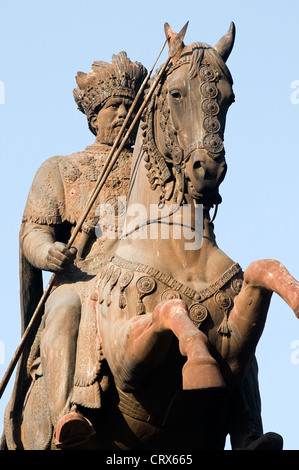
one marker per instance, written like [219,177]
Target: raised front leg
[142,342]
[248,316]
[201,370]
[274,277]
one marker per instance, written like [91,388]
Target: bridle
[157,163]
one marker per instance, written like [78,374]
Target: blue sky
[44,44]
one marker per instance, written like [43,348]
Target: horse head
[183,126]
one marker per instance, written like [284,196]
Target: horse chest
[130,289]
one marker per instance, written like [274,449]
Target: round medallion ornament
[222,300]
[145,285]
[177,155]
[198,313]
[206,73]
[211,124]
[210,107]
[236,285]
[125,279]
[170,294]
[209,90]
[213,143]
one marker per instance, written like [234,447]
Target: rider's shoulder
[55,162]
[51,162]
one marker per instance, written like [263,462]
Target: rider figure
[56,200]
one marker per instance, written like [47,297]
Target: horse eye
[176,95]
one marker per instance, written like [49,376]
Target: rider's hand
[59,257]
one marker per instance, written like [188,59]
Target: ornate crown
[121,77]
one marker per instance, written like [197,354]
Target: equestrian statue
[147,338]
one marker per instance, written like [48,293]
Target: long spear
[111,159]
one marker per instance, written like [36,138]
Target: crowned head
[119,78]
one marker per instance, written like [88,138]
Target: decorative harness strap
[197,311]
[176,285]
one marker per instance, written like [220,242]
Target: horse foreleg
[147,340]
[201,370]
[274,277]
[248,316]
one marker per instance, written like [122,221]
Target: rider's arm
[42,250]
[45,210]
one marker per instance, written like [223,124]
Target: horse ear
[225,44]
[169,33]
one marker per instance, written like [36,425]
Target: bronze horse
[174,310]
[178,320]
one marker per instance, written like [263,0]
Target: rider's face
[110,119]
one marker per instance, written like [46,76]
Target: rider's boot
[73,430]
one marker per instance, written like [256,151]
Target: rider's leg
[58,347]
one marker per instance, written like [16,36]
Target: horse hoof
[268,441]
[202,374]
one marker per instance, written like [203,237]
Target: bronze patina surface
[148,337]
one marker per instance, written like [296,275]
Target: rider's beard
[108,136]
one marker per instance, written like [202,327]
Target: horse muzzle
[204,172]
